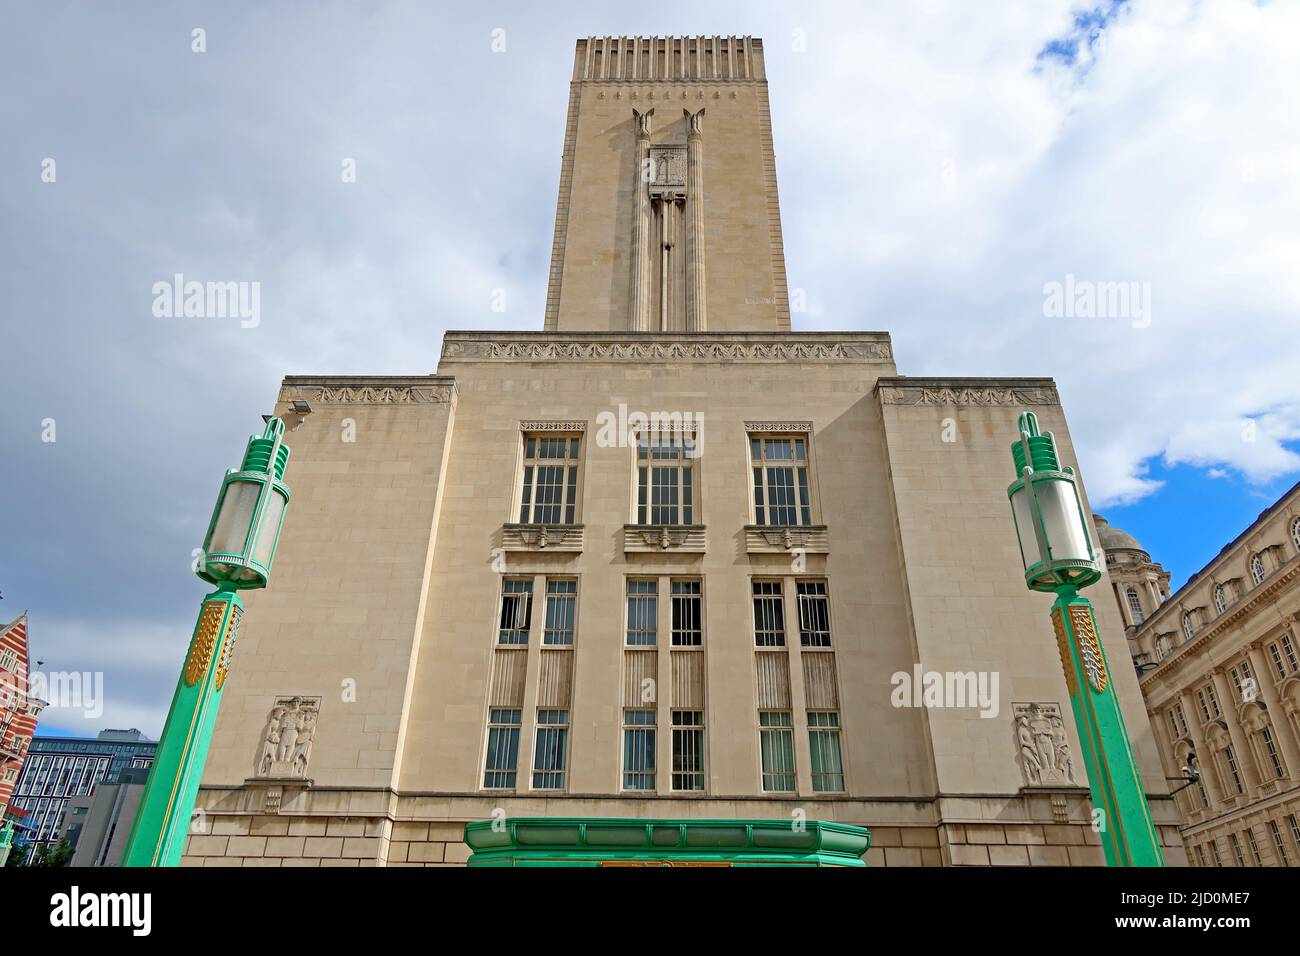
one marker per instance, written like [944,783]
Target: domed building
[1141,585]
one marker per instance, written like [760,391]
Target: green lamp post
[237,555]
[1058,557]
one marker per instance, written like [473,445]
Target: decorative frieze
[537,425]
[812,539]
[991,395]
[778,427]
[699,348]
[651,538]
[367,394]
[538,537]
[1043,745]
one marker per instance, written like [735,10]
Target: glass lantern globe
[245,527]
[1054,544]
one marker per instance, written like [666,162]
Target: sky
[942,171]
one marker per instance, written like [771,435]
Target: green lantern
[1058,556]
[238,552]
[245,527]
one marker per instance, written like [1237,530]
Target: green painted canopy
[581,841]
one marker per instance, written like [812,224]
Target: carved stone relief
[287,742]
[1043,745]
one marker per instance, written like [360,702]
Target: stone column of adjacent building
[1240,745]
[641,217]
[1277,716]
[695,308]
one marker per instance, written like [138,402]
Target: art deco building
[1220,664]
[665,558]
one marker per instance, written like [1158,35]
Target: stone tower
[665,558]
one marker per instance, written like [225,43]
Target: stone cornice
[858,347]
[369,389]
[901,390]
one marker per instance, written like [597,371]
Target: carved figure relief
[290,730]
[1043,745]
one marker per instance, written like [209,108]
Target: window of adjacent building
[769,614]
[1189,627]
[8,659]
[638,750]
[1205,710]
[688,750]
[551,749]
[1177,721]
[642,611]
[1288,649]
[776,742]
[503,748]
[516,610]
[1295,533]
[688,619]
[1294,823]
[781,489]
[1214,851]
[1162,647]
[1275,655]
[1220,599]
[1213,697]
[1236,849]
[1230,756]
[1254,847]
[561,611]
[1134,605]
[814,614]
[1279,843]
[1270,749]
[666,481]
[824,749]
[1257,568]
[1200,855]
[550,486]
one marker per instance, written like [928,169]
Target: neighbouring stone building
[665,558]
[1220,666]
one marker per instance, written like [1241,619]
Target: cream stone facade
[1220,665]
[488,601]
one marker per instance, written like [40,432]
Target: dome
[1113,539]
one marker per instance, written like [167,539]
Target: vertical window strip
[551,750]
[502,762]
[1279,843]
[814,614]
[769,616]
[642,612]
[638,750]
[688,628]
[776,743]
[824,749]
[1271,749]
[688,750]
[516,611]
[561,610]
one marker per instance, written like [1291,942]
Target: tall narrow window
[1134,606]
[550,487]
[665,478]
[1220,598]
[642,611]
[1294,823]
[769,616]
[814,614]
[1254,847]
[1295,533]
[688,750]
[781,486]
[687,620]
[1214,850]
[516,610]
[561,608]
[551,750]
[1278,843]
[776,742]
[1205,710]
[824,749]
[1236,849]
[638,750]
[1189,627]
[1213,697]
[1200,856]
[1231,756]
[502,749]
[1270,748]
[1275,655]
[1288,649]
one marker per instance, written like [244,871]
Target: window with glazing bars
[516,610]
[665,487]
[638,750]
[780,472]
[1270,748]
[1278,842]
[1236,849]
[1275,654]
[502,749]
[1289,650]
[1254,847]
[688,628]
[769,614]
[551,749]
[1214,850]
[642,611]
[824,749]
[688,750]
[561,606]
[1134,606]
[550,491]
[1230,756]
[776,744]
[814,614]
